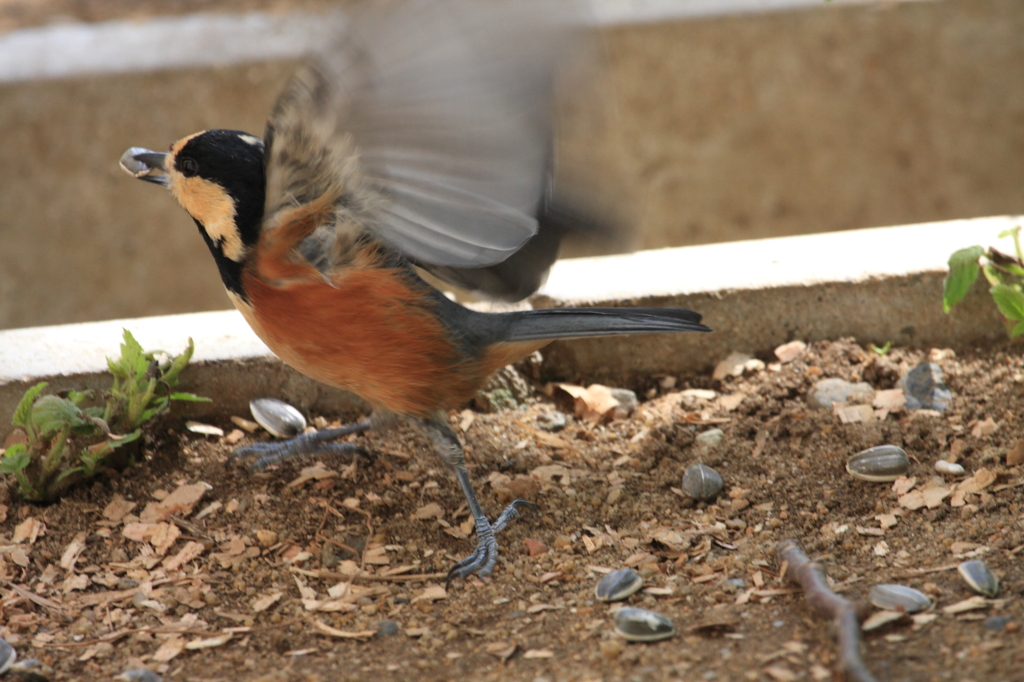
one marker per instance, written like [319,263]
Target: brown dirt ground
[784,471]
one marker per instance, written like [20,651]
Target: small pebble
[551,422]
[7,656]
[995,623]
[879,464]
[139,675]
[898,598]
[618,585]
[387,628]
[733,584]
[627,402]
[277,417]
[951,468]
[924,388]
[641,625]
[701,482]
[828,391]
[977,574]
[126,583]
[710,438]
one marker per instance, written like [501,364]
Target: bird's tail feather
[556,323]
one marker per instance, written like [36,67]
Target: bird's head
[218,177]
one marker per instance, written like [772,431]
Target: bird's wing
[431,126]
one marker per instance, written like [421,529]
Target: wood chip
[431,593]
[191,551]
[28,530]
[266,601]
[984,429]
[118,508]
[1014,457]
[342,634]
[178,503]
[971,604]
[780,673]
[208,643]
[429,511]
[788,352]
[169,649]
[538,653]
[70,556]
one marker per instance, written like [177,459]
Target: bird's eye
[188,166]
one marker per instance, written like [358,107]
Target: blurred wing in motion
[429,125]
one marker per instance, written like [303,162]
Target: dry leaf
[592,403]
[731,402]
[886,521]
[180,502]
[429,511]
[28,530]
[431,593]
[1013,458]
[169,649]
[934,495]
[208,643]
[118,509]
[853,414]
[984,429]
[981,479]
[70,556]
[913,500]
[266,601]
[467,419]
[903,485]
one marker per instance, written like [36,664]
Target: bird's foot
[315,443]
[485,556]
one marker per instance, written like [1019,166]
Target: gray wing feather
[448,105]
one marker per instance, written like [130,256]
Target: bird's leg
[315,443]
[484,557]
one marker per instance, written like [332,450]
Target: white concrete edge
[858,255]
[809,260]
[206,39]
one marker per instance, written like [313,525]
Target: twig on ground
[823,601]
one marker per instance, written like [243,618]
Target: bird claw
[485,556]
[316,443]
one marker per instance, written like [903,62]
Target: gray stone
[387,628]
[925,389]
[552,422]
[7,656]
[829,391]
[701,482]
[627,402]
[710,438]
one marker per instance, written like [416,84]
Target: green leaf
[15,459]
[882,350]
[1009,233]
[189,397]
[51,414]
[963,270]
[1009,300]
[1017,330]
[178,364]
[24,408]
[79,397]
[67,472]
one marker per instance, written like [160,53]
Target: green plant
[67,440]
[882,350]
[1005,275]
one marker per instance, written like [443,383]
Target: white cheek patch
[251,139]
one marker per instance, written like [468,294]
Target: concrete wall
[708,130]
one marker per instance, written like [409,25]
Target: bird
[421,141]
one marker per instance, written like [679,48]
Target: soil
[609,496]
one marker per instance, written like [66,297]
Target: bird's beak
[145,165]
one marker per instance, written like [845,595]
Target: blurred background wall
[709,129]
